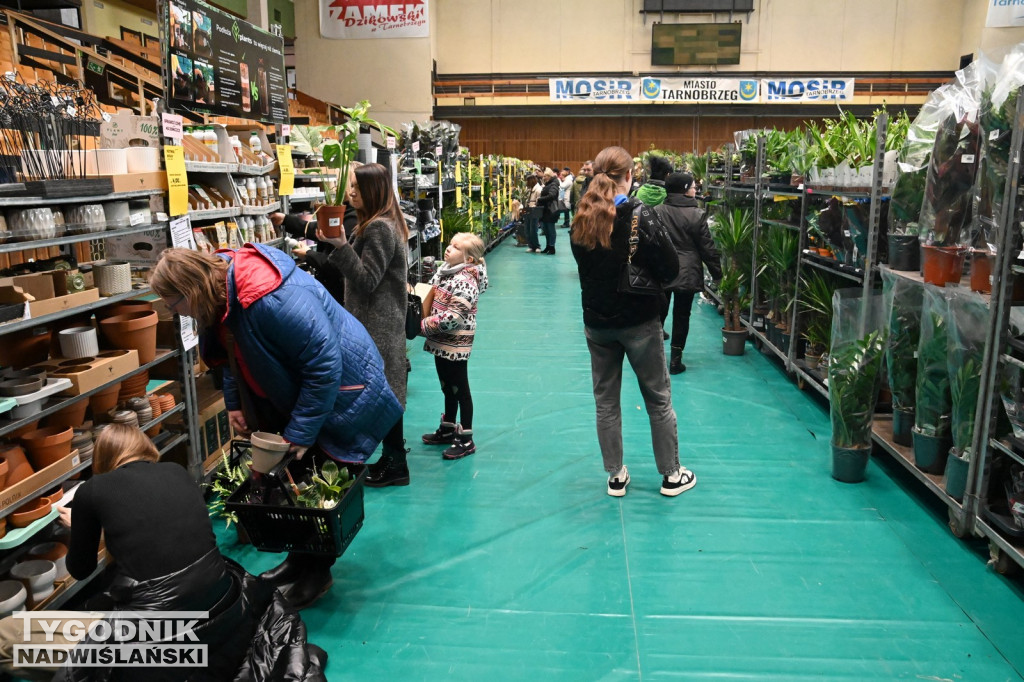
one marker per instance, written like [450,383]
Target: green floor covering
[513,564]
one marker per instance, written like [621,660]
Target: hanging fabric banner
[781,90]
[1004,13]
[699,89]
[369,19]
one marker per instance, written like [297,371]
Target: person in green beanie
[652,192]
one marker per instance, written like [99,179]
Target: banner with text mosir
[781,90]
[362,19]
[653,89]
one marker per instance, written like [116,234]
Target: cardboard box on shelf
[131,182]
[61,303]
[140,248]
[15,494]
[100,370]
[122,129]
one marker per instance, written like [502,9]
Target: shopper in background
[548,200]
[565,194]
[295,362]
[449,330]
[530,222]
[619,324]
[577,188]
[152,517]
[652,192]
[587,171]
[375,265]
[687,227]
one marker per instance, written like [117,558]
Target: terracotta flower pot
[3,528]
[123,308]
[29,512]
[942,265]
[49,445]
[4,468]
[267,450]
[24,348]
[102,402]
[18,468]
[981,271]
[133,330]
[21,431]
[330,220]
[73,415]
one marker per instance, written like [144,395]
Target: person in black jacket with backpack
[687,227]
[548,200]
[622,323]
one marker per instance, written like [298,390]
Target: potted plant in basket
[733,231]
[326,487]
[338,156]
[227,480]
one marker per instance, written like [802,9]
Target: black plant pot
[849,465]
[904,252]
[902,423]
[956,476]
[733,342]
[930,452]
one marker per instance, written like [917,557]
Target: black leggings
[682,304]
[454,376]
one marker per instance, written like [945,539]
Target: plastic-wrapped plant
[853,371]
[904,299]
[946,211]
[970,316]
[733,231]
[933,402]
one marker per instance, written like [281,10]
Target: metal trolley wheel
[957,526]
[1001,561]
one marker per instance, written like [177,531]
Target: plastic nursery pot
[71,416]
[49,445]
[850,465]
[16,387]
[105,400]
[329,220]
[956,476]
[981,271]
[267,450]
[904,252]
[930,452]
[30,511]
[133,330]
[18,468]
[942,265]
[902,423]
[12,597]
[733,343]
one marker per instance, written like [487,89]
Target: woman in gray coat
[375,265]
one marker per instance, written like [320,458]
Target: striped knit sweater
[451,325]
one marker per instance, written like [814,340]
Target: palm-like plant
[816,303]
[964,385]
[933,396]
[853,371]
[780,251]
[733,231]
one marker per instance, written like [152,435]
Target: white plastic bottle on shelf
[250,191]
[254,143]
[261,190]
[236,145]
[210,138]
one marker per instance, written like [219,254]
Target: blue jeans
[549,233]
[531,230]
[644,347]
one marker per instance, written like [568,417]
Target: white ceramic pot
[12,597]
[57,552]
[116,214]
[267,450]
[35,574]
[143,159]
[112,277]
[40,596]
[106,162]
[79,342]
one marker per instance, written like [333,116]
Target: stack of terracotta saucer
[133,387]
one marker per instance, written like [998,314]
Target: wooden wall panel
[558,142]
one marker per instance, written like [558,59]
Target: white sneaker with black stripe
[617,483]
[676,483]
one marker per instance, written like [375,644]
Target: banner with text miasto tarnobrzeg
[699,89]
[362,19]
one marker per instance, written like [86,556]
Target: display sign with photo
[222,65]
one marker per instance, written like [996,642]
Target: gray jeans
[644,346]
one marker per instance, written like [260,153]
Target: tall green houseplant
[733,232]
[339,155]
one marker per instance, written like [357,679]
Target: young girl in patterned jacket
[449,330]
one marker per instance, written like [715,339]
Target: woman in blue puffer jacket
[295,362]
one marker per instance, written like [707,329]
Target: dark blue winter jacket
[307,355]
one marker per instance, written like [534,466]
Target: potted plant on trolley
[733,231]
[903,299]
[931,432]
[779,256]
[338,156]
[969,314]
[816,306]
[854,371]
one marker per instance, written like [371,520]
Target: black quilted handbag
[636,279]
[413,316]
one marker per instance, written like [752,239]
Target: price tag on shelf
[177,179]
[189,335]
[994,134]
[967,158]
[173,126]
[287,167]
[416,147]
[391,142]
[137,219]
[181,233]
[438,151]
[286,130]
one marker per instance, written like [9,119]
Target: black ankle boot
[390,469]
[675,365]
[285,572]
[443,436]
[462,446]
[312,584]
